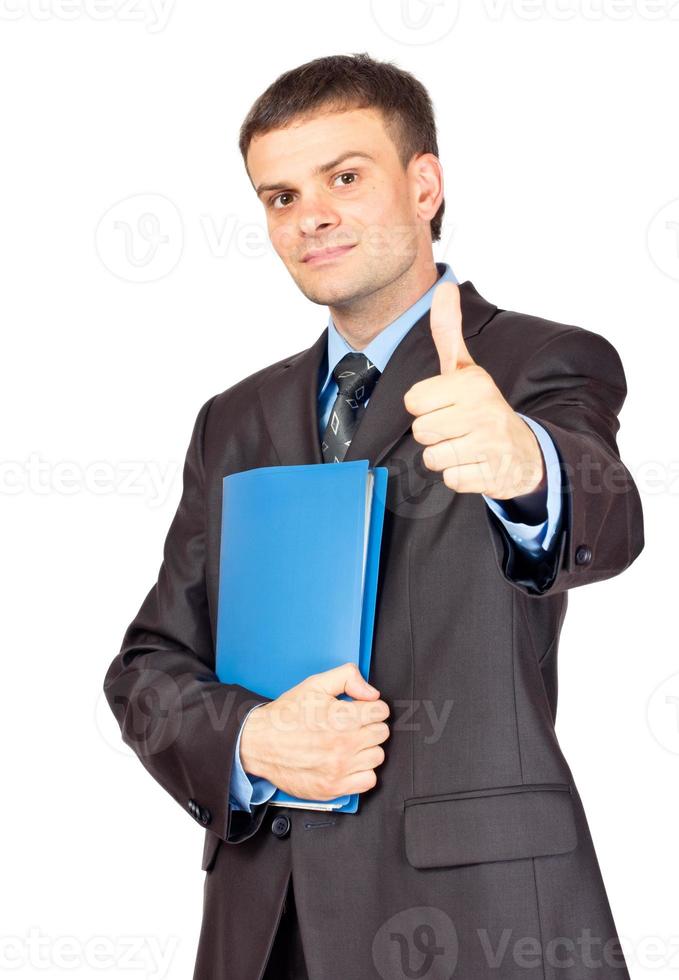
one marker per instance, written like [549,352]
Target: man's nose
[315,216]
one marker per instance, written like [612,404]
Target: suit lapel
[289,398]
[289,401]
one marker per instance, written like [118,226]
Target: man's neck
[363,319]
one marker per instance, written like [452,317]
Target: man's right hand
[312,745]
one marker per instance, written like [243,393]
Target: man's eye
[274,199]
[347,173]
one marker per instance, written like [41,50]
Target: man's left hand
[469,430]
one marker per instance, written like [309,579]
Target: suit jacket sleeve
[574,386]
[536,538]
[173,712]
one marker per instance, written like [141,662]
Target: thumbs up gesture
[469,430]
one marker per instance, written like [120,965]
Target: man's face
[364,205]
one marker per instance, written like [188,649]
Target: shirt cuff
[244,789]
[536,538]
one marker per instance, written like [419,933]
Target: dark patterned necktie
[356,377]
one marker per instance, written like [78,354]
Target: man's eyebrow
[322,169]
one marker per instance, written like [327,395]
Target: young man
[470,852]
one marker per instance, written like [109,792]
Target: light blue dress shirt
[245,790]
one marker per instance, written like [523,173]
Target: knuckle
[377,710]
[410,401]
[420,432]
[450,479]
[371,779]
[379,714]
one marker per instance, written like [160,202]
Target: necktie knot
[355,377]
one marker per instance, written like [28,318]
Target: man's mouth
[317,256]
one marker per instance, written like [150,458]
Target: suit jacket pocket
[496,824]
[210,848]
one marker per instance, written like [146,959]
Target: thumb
[445,319]
[346,679]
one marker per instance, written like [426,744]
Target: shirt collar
[381,347]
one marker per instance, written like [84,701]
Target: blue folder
[299,561]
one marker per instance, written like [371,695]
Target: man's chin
[331,291]
[338,287]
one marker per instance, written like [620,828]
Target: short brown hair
[341,82]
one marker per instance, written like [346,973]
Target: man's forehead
[311,147]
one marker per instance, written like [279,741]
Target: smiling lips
[326,254]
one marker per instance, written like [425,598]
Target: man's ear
[426,173]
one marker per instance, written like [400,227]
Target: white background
[558,136]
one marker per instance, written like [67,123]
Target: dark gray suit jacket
[472,856]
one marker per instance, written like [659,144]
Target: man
[470,853]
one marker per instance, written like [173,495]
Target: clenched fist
[469,430]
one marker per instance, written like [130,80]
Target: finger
[368,758]
[442,390]
[358,782]
[445,319]
[448,453]
[372,735]
[371,712]
[345,679]
[450,422]
[468,478]
[362,714]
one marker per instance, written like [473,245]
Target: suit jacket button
[192,807]
[583,555]
[205,815]
[280,825]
